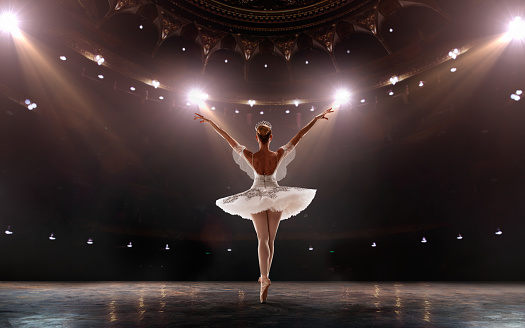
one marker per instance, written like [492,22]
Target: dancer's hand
[201,118]
[323,114]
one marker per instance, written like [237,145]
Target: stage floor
[236,304]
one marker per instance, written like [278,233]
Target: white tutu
[265,193]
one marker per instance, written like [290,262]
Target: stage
[235,304]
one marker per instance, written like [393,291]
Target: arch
[410,25]
[181,52]
[276,70]
[228,42]
[232,70]
[306,64]
[358,49]
[125,27]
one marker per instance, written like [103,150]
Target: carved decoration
[368,19]
[325,37]
[248,47]
[270,5]
[285,46]
[126,4]
[209,38]
[169,24]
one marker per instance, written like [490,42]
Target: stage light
[519,92]
[32,106]
[421,84]
[130,245]
[28,102]
[453,69]
[424,240]
[287,111]
[515,97]
[394,80]
[453,53]
[197,97]
[342,96]
[183,49]
[141,26]
[459,237]
[374,244]
[9,23]
[312,109]
[8,231]
[99,59]
[296,102]
[63,58]
[155,84]
[516,29]
[100,76]
[348,51]
[229,249]
[306,62]
[167,247]
[213,108]
[90,241]
[498,232]
[390,93]
[391,30]
[188,104]
[363,101]
[226,61]
[52,237]
[236,111]
[251,102]
[132,88]
[161,97]
[261,112]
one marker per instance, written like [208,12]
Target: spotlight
[226,61]
[141,27]
[155,84]
[394,80]
[32,106]
[90,241]
[130,245]
[262,113]
[132,88]
[374,244]
[236,111]
[459,237]
[390,93]
[52,237]
[498,232]
[306,62]
[391,30]
[28,102]
[184,49]
[516,29]
[421,84]
[453,69]
[312,109]
[167,247]
[100,76]
[363,101]
[296,102]
[213,108]
[287,111]
[310,248]
[265,65]
[229,249]
[63,58]
[99,59]
[197,97]
[9,23]
[8,231]
[424,240]
[348,51]
[519,92]
[161,97]
[515,97]
[342,96]
[251,102]
[453,53]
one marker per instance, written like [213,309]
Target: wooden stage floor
[235,304]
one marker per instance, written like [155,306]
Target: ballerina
[266,203]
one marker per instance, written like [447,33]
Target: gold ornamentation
[286,47]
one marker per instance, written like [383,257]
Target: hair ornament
[263,123]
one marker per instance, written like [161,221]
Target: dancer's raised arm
[304,131]
[233,143]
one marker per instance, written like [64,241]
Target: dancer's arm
[304,131]
[233,143]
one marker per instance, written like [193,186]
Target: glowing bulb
[226,61]
[394,80]
[197,97]
[310,248]
[63,58]
[155,84]
[161,97]
[296,102]
[32,106]
[391,30]
[100,76]
[312,109]
[52,237]
[342,96]
[9,23]
[251,102]
[261,113]
[184,49]
[348,51]
[90,241]
[459,237]
[167,247]
[130,245]
[515,97]
[374,244]
[424,240]
[236,111]
[363,101]
[99,59]
[519,92]
[287,111]
[213,108]
[28,102]
[229,249]
[453,69]
[516,29]
[390,93]
[421,84]
[306,62]
[141,26]
[8,231]
[132,88]
[498,232]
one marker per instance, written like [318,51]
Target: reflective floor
[235,304]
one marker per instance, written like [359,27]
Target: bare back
[265,161]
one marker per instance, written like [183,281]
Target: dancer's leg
[260,222]
[274,218]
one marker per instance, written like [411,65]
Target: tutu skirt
[288,200]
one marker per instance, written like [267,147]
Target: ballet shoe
[265,285]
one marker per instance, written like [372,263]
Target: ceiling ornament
[169,24]
[269,5]
[209,38]
[248,47]
[368,19]
[325,37]
[285,46]
[126,4]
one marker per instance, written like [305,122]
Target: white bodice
[264,181]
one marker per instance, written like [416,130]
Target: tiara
[263,123]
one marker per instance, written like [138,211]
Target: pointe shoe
[265,285]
